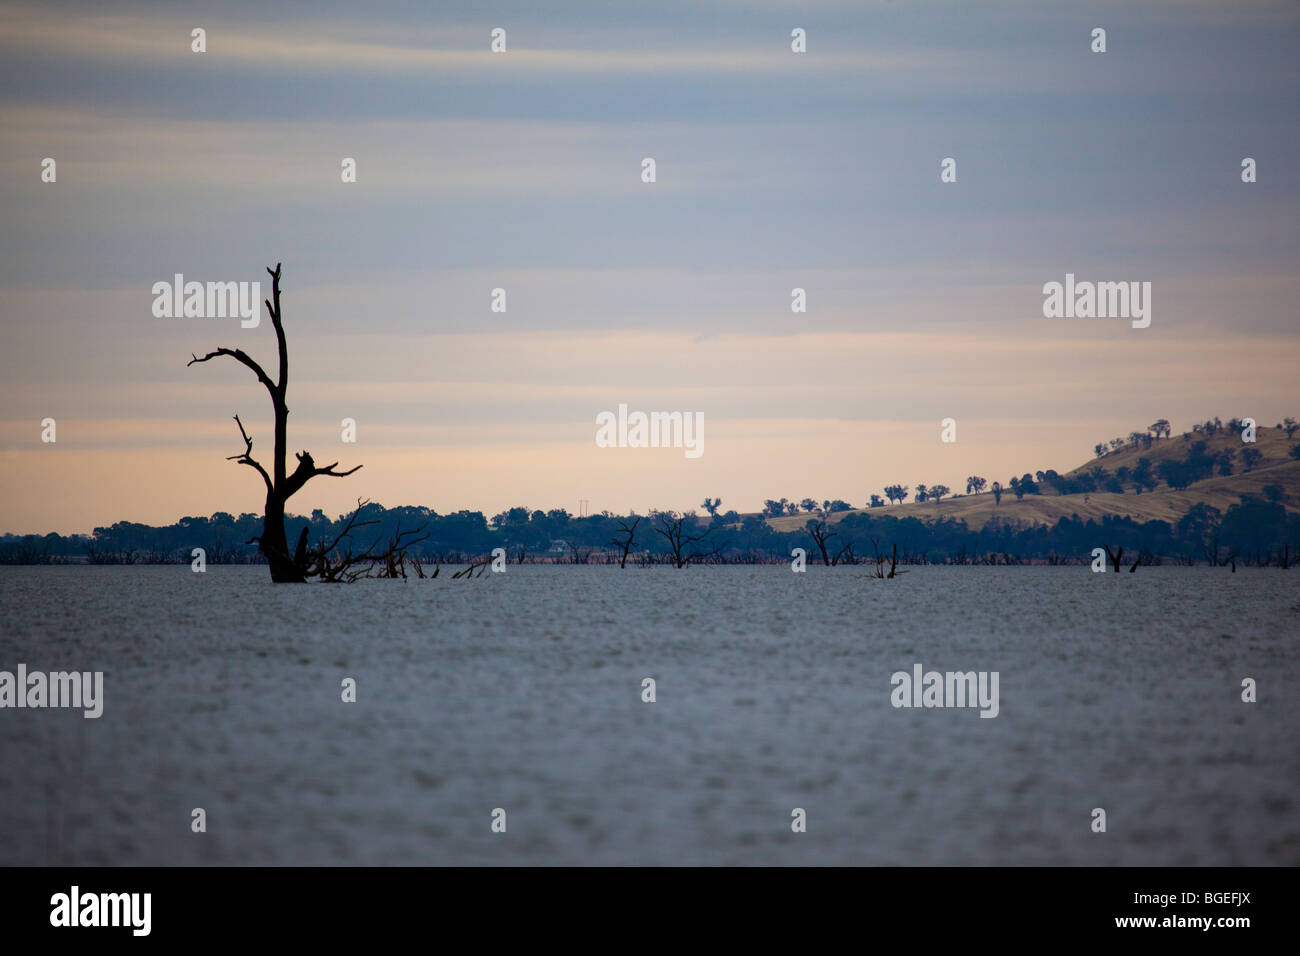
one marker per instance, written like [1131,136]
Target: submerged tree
[280,484]
[684,545]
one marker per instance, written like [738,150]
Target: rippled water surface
[523,691]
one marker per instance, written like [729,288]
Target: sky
[522,171]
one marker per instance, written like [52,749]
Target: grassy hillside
[1164,503]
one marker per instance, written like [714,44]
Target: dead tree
[880,561]
[280,484]
[626,543]
[681,543]
[817,528]
[334,561]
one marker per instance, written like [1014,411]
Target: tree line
[1255,531]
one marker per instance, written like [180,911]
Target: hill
[1162,503]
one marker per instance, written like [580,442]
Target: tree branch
[247,457]
[307,470]
[279,327]
[240,355]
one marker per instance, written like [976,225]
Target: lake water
[522,691]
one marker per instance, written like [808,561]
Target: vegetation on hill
[1197,498]
[1144,477]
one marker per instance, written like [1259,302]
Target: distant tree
[839,505]
[817,528]
[1224,461]
[1198,530]
[774,508]
[731,517]
[896,493]
[1116,444]
[1099,449]
[682,542]
[975,484]
[808,505]
[997,493]
[937,492]
[711,505]
[879,502]
[1274,492]
[791,508]
[1253,528]
[922,493]
[1295,451]
[625,537]
[1028,485]
[1160,427]
[1114,485]
[1251,457]
[1016,488]
[1290,426]
[1143,476]
[1175,474]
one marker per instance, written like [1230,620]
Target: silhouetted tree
[681,541]
[625,536]
[280,485]
[817,528]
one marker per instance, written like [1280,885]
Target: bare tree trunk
[818,531]
[273,543]
[626,543]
